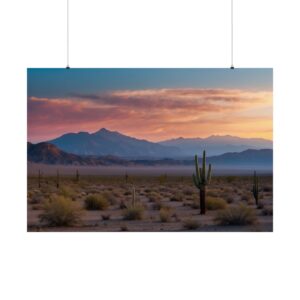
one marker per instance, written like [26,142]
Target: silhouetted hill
[47,153]
[105,142]
[216,145]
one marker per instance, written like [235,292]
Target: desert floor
[167,203]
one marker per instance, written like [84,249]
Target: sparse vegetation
[134,213]
[215,203]
[236,215]
[190,224]
[165,214]
[96,202]
[60,211]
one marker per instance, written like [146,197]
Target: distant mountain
[105,142]
[216,145]
[47,153]
[248,158]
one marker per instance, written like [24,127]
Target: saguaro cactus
[133,202]
[77,175]
[255,190]
[201,180]
[57,179]
[126,177]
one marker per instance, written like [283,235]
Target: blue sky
[63,82]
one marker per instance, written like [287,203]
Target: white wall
[156,33]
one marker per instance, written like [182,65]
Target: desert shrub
[96,202]
[267,211]
[147,191]
[157,205]
[189,191]
[237,215]
[215,203]
[212,193]
[127,193]
[134,213]
[60,211]
[165,214]
[190,224]
[177,197]
[153,196]
[229,199]
[110,197]
[67,192]
[105,217]
[122,204]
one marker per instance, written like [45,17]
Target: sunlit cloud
[154,114]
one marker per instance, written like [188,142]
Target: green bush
[134,213]
[215,203]
[236,215]
[60,211]
[96,202]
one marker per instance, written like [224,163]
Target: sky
[151,104]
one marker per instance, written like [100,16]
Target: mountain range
[105,142]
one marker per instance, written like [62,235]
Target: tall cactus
[57,179]
[133,203]
[201,180]
[255,189]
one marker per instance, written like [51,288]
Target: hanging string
[232,67]
[68,34]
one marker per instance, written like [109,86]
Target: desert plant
[126,177]
[165,214]
[162,179]
[57,179]
[267,211]
[255,189]
[213,203]
[134,213]
[190,224]
[96,202]
[60,211]
[201,180]
[77,176]
[177,197]
[237,215]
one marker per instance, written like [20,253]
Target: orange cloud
[154,114]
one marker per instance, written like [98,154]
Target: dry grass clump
[215,203]
[96,202]
[110,197]
[153,196]
[212,193]
[134,213]
[190,224]
[189,191]
[177,197]
[157,205]
[61,211]
[237,215]
[165,214]
[67,192]
[246,197]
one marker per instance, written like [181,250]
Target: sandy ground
[150,190]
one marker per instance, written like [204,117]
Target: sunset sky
[152,104]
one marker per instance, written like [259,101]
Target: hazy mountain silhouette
[216,145]
[105,142]
[47,153]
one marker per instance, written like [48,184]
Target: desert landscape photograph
[149,150]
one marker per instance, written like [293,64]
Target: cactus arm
[197,168]
[209,174]
[197,184]
[203,166]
